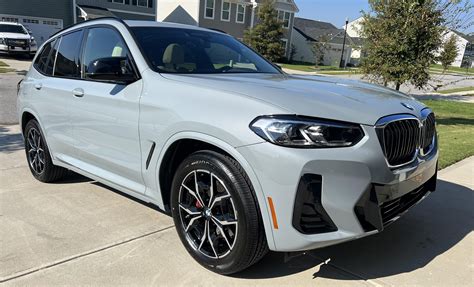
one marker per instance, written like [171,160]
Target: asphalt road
[79,232]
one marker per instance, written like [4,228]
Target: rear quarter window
[45,60]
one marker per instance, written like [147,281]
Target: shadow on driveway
[10,142]
[428,230]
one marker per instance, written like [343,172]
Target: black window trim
[85,31]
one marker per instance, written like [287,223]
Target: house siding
[232,27]
[305,52]
[56,9]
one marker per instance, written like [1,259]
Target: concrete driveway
[79,232]
[8,86]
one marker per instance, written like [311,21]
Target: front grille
[400,141]
[16,42]
[402,137]
[391,209]
[428,133]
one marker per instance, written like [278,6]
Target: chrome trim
[383,122]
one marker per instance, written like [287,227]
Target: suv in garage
[16,39]
[245,157]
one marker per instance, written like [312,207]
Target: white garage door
[41,28]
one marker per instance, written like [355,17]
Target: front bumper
[18,50]
[356,186]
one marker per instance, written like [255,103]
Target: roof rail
[91,20]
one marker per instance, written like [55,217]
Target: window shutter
[150,3]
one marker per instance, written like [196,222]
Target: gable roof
[313,30]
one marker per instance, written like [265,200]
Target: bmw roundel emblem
[408,106]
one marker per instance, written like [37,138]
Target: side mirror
[111,69]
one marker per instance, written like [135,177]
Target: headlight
[32,41]
[303,132]
[2,41]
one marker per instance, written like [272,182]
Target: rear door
[59,94]
[105,115]
[52,101]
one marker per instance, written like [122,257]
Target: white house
[461,44]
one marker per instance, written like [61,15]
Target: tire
[233,222]
[38,156]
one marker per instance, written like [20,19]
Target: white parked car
[16,39]
[245,157]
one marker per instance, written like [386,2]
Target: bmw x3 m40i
[245,157]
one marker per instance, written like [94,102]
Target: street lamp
[342,64]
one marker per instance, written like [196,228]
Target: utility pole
[342,64]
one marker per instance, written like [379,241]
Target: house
[465,47]
[354,29]
[45,17]
[230,16]
[307,33]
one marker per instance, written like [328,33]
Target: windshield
[5,28]
[189,51]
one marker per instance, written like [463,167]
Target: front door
[105,116]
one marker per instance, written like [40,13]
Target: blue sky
[335,11]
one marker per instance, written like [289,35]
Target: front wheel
[216,213]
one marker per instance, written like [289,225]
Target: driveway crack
[80,255]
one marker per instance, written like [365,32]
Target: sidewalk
[79,232]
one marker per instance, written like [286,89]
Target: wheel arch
[179,146]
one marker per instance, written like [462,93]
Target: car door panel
[105,115]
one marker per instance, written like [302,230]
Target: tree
[449,52]
[402,37]
[320,48]
[266,36]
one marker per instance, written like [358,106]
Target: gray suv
[245,157]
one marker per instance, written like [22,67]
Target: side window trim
[56,56]
[84,43]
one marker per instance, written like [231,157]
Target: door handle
[38,86]
[78,92]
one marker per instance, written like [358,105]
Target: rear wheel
[216,213]
[37,155]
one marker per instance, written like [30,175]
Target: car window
[191,51]
[104,43]
[6,28]
[67,59]
[45,61]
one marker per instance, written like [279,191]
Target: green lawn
[439,69]
[457,90]
[455,125]
[328,70]
[4,68]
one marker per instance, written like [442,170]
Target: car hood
[322,97]
[14,35]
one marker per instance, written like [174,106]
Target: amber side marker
[272,210]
